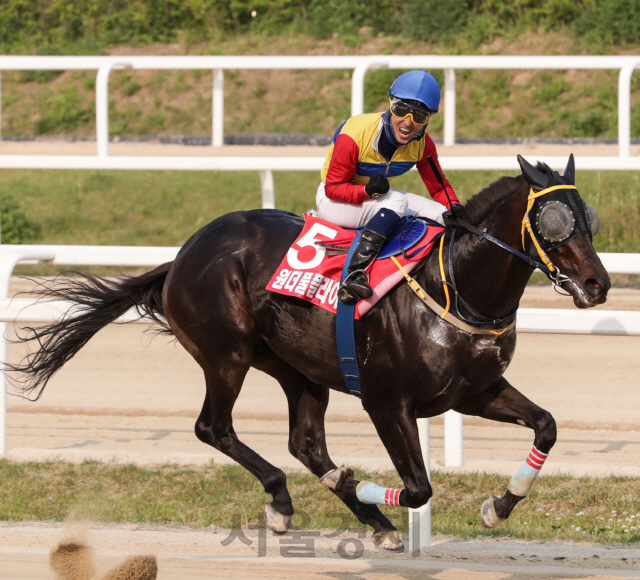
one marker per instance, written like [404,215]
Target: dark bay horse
[412,363]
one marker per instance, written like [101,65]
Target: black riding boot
[356,284]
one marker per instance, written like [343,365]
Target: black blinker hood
[569,197]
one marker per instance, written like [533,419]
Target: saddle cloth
[311,272]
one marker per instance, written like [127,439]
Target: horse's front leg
[505,404]
[398,431]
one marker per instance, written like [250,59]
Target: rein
[444,312]
[544,265]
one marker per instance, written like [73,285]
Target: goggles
[401,109]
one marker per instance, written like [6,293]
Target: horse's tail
[96,303]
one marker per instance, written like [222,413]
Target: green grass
[558,508]
[156,208]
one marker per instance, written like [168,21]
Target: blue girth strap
[345,333]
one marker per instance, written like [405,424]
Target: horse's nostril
[594,286]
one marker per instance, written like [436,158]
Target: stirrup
[349,292]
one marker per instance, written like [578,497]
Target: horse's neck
[490,279]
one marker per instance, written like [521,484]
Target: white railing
[359,64]
[266,165]
[529,320]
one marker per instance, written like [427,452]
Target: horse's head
[559,228]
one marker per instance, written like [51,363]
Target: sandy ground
[176,150]
[189,554]
[130,397]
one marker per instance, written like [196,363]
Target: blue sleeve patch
[395,169]
[335,135]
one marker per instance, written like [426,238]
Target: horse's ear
[534,177]
[570,170]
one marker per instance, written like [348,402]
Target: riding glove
[449,217]
[377,187]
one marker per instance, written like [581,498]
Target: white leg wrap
[522,481]
[369,492]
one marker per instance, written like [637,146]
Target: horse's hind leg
[215,427]
[307,441]
[505,404]
[210,315]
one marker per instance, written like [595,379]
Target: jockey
[369,150]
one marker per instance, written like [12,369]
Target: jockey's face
[405,129]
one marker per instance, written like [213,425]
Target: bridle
[485,325]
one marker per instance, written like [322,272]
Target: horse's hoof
[278,523]
[490,519]
[388,540]
[339,479]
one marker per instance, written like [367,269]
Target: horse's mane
[487,200]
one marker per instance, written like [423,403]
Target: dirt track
[121,400]
[198,555]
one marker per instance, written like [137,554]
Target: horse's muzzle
[590,292]
[597,287]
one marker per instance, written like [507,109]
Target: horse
[413,362]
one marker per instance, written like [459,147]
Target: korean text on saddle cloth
[309,272]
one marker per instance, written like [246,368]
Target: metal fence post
[449,107]
[102,106]
[268,189]
[357,85]
[420,519]
[624,109]
[7,265]
[453,439]
[217,130]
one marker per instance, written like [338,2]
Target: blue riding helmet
[417,85]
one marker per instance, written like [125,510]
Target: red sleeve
[342,167]
[430,180]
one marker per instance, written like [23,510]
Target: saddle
[408,233]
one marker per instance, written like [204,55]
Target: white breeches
[348,215]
